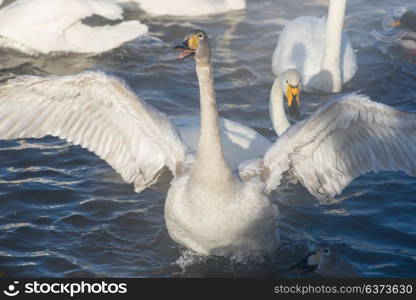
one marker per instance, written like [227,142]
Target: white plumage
[57,26]
[345,138]
[240,142]
[85,95]
[186,7]
[304,45]
[209,209]
[101,114]
[97,112]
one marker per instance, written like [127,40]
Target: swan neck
[332,53]
[277,108]
[210,159]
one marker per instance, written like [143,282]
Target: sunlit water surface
[64,212]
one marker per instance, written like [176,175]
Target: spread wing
[99,113]
[342,140]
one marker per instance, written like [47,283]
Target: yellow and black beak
[293,100]
[188,47]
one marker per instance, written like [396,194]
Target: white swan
[186,7]
[290,81]
[319,49]
[57,26]
[209,209]
[326,263]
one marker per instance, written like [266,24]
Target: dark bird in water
[408,22]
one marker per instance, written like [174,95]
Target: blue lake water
[64,212]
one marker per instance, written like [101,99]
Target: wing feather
[343,139]
[98,112]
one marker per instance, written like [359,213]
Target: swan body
[57,26]
[309,44]
[186,7]
[208,208]
[223,217]
[240,142]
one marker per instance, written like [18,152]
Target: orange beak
[293,101]
[396,23]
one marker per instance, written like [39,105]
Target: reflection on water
[64,212]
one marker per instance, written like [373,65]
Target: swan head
[291,83]
[196,45]
[407,20]
[314,261]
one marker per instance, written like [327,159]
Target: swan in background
[208,208]
[319,49]
[326,263]
[185,7]
[289,81]
[408,22]
[57,26]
